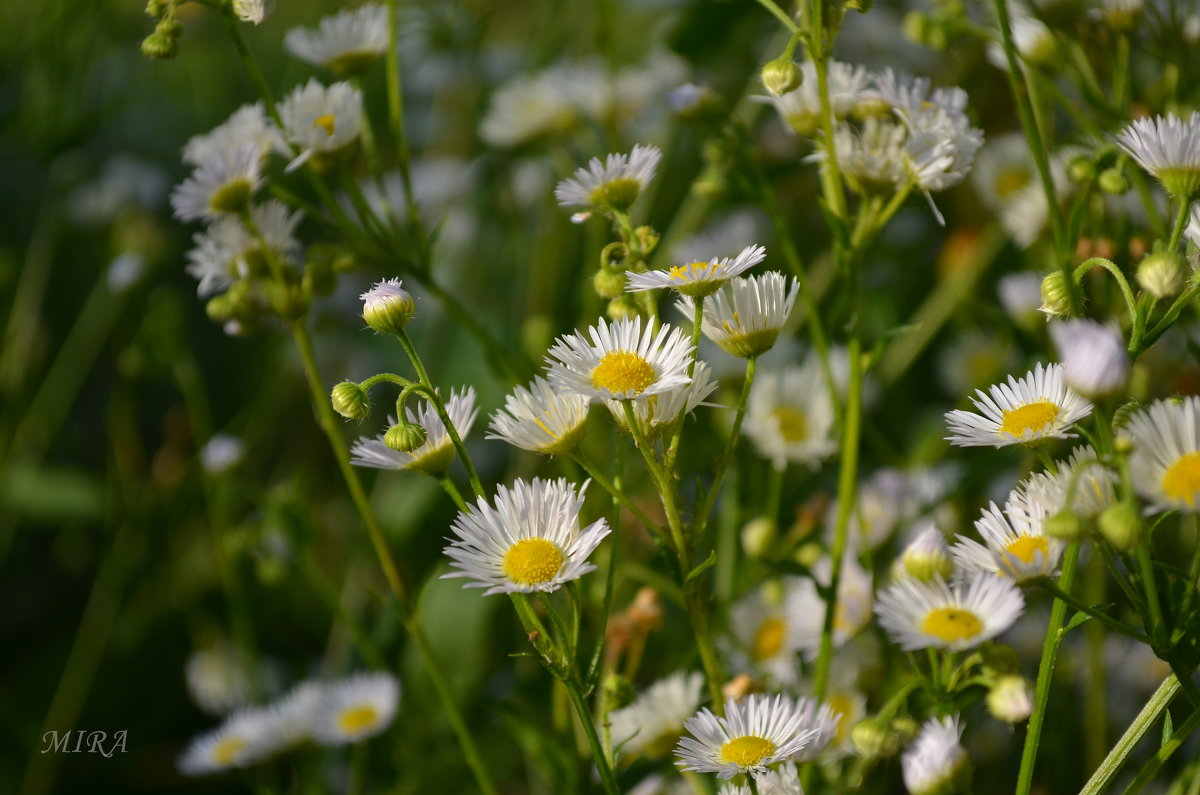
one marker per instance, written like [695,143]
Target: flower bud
[1081,168]
[927,557]
[387,307]
[622,308]
[874,740]
[1064,525]
[1114,181]
[782,76]
[609,282]
[160,46]
[758,535]
[1121,525]
[405,437]
[254,11]
[905,728]
[350,400]
[1055,295]
[1010,699]
[1162,274]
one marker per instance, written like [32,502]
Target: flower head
[320,120]
[754,734]
[613,184]
[346,43]
[1169,148]
[541,420]
[354,709]
[698,278]
[529,541]
[1094,360]
[227,251]
[652,724]
[621,362]
[746,316]
[222,185]
[935,759]
[437,453]
[801,109]
[657,413]
[1166,454]
[1023,411]
[790,416]
[245,738]
[253,10]
[387,307]
[1016,542]
[921,615]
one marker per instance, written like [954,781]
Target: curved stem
[782,16]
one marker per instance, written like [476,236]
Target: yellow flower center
[951,624]
[1182,480]
[325,122]
[1025,548]
[842,707]
[746,751]
[532,561]
[793,425]
[1032,417]
[355,719]
[768,641]
[623,372]
[224,751]
[1010,181]
[686,272]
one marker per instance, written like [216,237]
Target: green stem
[1120,626]
[783,17]
[607,777]
[616,491]
[1181,222]
[250,64]
[1164,753]
[1132,737]
[453,492]
[366,648]
[1054,635]
[1122,282]
[735,434]
[1153,608]
[396,122]
[697,322]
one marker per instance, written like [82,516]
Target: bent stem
[1046,672]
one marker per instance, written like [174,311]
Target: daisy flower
[1025,411]
[1093,356]
[532,107]
[217,680]
[610,185]
[935,759]
[530,541]
[768,625]
[657,413]
[801,109]
[541,420]
[356,708]
[698,278]
[871,155]
[1169,148]
[790,417]
[1016,542]
[435,456]
[1166,454]
[245,738]
[227,251]
[346,43]
[851,614]
[222,184]
[746,316]
[921,615]
[246,126]
[621,362]
[318,121]
[652,724]
[926,556]
[755,733]
[1094,486]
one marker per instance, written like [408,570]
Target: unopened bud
[1114,181]
[927,557]
[622,308]
[405,437]
[1081,168]
[160,46]
[874,740]
[1121,525]
[782,76]
[1162,275]
[350,400]
[1010,699]
[1055,295]
[758,535]
[905,728]
[1065,526]
[387,307]
[609,282]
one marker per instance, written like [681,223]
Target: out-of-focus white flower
[222,453]
[935,759]
[222,185]
[253,10]
[1093,355]
[1166,454]
[790,416]
[801,109]
[1169,148]
[227,250]
[652,724]
[354,709]
[346,43]
[320,120]
[613,184]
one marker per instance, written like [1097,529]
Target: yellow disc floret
[356,719]
[533,561]
[746,751]
[623,373]
[225,751]
[325,122]
[1026,548]
[768,640]
[1181,481]
[951,624]
[1030,418]
[793,425]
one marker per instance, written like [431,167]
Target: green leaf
[1168,728]
[1081,616]
[700,569]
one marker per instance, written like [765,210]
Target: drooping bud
[609,282]
[387,307]
[1065,526]
[1162,274]
[782,76]
[405,437]
[1114,181]
[350,400]
[1121,525]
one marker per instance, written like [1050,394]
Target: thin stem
[453,492]
[1046,671]
[615,490]
[1153,608]
[1120,626]
[782,16]
[1164,753]
[697,322]
[251,65]
[607,777]
[1132,737]
[1122,282]
[1188,521]
[1181,222]
[396,122]
[735,434]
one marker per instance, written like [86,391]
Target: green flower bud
[160,46]
[406,437]
[387,308]
[1055,296]
[782,76]
[622,308]
[1121,525]
[350,400]
[1010,699]
[1081,168]
[1162,274]
[758,535]
[905,728]
[609,282]
[874,740]
[1114,181]
[1065,526]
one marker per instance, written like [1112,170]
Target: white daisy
[769,626]
[871,156]
[613,184]
[295,713]
[532,107]
[1094,486]
[920,615]
[746,316]
[755,733]
[530,541]
[216,679]
[348,42]
[248,125]
[790,416]
[1016,542]
[1025,411]
[698,278]
[926,556]
[847,706]
[851,613]
[223,184]
[319,120]
[245,738]
[541,420]
[785,780]
[653,723]
[621,362]
[801,109]
[435,456]
[253,10]
[226,250]
[1093,355]
[657,413]
[1021,296]
[1169,148]
[356,708]
[1033,41]
[1166,454]
[934,760]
